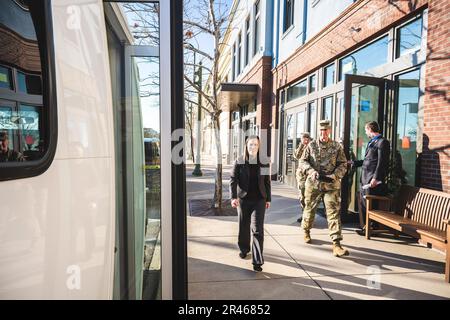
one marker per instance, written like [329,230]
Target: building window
[28,83]
[312,121]
[312,83]
[327,106]
[6,78]
[328,75]
[257,27]
[239,47]
[288,14]
[408,134]
[247,41]
[300,127]
[233,60]
[27,111]
[364,59]
[289,143]
[296,91]
[409,37]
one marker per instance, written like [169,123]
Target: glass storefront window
[342,119]
[300,127]
[327,106]
[409,37]
[312,83]
[296,91]
[289,143]
[371,56]
[408,137]
[312,122]
[328,75]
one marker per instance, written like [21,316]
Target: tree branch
[199,90]
[197,25]
[191,47]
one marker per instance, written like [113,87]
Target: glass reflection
[409,37]
[407,126]
[371,56]
[21,88]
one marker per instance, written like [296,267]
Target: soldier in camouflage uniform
[300,174]
[325,164]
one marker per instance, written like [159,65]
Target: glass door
[364,100]
[289,142]
[144,168]
[151,253]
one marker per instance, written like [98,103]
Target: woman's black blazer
[239,181]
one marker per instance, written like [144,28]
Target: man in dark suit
[374,167]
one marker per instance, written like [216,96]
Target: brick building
[393,56]
[402,50]
[246,87]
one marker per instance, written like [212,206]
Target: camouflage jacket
[327,158]
[300,174]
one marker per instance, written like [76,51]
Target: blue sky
[203,40]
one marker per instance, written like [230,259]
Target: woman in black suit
[251,195]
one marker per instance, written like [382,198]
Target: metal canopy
[233,94]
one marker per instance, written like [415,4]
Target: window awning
[233,94]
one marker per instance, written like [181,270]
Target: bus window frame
[27,169]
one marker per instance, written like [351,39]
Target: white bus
[83,213]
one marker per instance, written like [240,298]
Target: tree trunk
[192,147]
[217,201]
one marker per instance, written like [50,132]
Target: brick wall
[261,74]
[372,18]
[369,17]
[435,162]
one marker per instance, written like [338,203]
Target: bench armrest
[446,221]
[370,197]
[382,198]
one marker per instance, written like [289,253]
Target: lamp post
[355,69]
[198,81]
[198,74]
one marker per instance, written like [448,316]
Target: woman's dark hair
[246,154]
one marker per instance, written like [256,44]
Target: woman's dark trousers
[251,214]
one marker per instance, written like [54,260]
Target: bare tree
[207,18]
[201,18]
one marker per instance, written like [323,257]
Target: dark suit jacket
[376,161]
[239,180]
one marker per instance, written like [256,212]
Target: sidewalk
[380,268]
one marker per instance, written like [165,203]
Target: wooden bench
[421,213]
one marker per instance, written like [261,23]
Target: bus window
[25,108]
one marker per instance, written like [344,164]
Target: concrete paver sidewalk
[381,268]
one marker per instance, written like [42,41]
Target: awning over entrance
[232,94]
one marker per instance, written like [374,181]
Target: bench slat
[421,213]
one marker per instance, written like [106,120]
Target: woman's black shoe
[242,255]
[257,267]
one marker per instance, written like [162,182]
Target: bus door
[146,265]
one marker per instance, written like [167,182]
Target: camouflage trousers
[332,200]
[301,194]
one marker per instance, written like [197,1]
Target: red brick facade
[261,74]
[365,20]
[435,162]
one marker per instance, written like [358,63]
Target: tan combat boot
[307,237]
[338,251]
